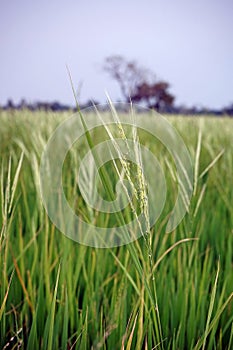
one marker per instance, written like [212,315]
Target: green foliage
[57,294]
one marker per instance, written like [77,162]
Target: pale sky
[187,43]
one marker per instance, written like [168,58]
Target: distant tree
[126,73]
[10,104]
[90,104]
[155,95]
[228,110]
[22,104]
[139,84]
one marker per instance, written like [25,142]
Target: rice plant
[58,294]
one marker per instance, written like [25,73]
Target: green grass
[58,294]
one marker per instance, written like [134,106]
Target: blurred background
[187,44]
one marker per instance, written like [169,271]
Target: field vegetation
[165,291]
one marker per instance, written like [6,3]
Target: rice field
[163,291]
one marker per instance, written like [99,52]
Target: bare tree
[127,74]
[139,84]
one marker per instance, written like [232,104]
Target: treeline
[137,84]
[56,106]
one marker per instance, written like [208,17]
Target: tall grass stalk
[106,181]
